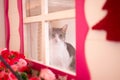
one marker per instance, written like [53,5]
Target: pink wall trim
[20,10]
[7,26]
[81,33]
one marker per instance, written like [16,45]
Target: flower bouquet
[17,65]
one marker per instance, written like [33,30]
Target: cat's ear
[64,28]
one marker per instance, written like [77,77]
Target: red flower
[2,73]
[5,77]
[34,78]
[1,66]
[12,77]
[11,57]
[21,55]
[24,69]
[14,67]
[47,74]
[19,64]
[5,53]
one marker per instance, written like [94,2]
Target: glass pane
[33,41]
[33,7]
[62,44]
[59,5]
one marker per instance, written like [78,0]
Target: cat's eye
[60,35]
[53,35]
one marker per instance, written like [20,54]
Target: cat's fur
[62,54]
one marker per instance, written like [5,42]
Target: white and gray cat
[62,54]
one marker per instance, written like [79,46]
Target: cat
[62,54]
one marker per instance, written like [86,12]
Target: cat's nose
[56,40]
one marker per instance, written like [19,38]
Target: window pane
[62,44]
[59,5]
[33,41]
[33,7]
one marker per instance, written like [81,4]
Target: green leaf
[24,76]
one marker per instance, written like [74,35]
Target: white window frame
[44,17]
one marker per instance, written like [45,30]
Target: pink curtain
[7,26]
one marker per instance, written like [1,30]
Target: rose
[2,70]
[11,76]
[21,63]
[14,67]
[11,57]
[47,74]
[2,73]
[34,78]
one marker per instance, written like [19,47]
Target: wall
[102,56]
[2,25]
[14,26]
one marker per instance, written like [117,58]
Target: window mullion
[44,51]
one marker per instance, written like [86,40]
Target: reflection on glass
[62,44]
[33,41]
[33,7]
[59,5]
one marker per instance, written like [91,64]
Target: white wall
[14,26]
[2,25]
[103,56]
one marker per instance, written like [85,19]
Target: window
[39,15]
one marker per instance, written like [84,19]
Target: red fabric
[7,25]
[19,5]
[111,23]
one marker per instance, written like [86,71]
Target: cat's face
[58,34]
